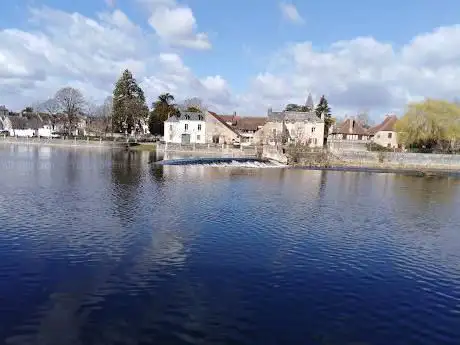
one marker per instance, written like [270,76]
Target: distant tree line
[126,111]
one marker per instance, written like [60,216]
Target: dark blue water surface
[101,247]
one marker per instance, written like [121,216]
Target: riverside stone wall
[399,159]
[62,142]
[215,150]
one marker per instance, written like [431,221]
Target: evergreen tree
[323,110]
[129,108]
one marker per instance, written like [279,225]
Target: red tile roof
[387,124]
[250,123]
[229,118]
[350,126]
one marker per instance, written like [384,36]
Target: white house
[384,134]
[185,128]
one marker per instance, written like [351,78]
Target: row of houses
[281,127]
[352,133]
[39,124]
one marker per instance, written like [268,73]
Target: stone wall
[215,150]
[399,159]
[62,142]
[275,154]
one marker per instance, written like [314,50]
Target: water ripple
[103,247]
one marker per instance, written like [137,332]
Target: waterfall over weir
[224,162]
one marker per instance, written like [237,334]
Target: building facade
[286,127]
[384,134]
[185,128]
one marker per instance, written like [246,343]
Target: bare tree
[71,102]
[106,112]
[364,119]
[194,104]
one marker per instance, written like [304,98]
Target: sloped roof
[34,121]
[350,126]
[230,118]
[250,123]
[218,118]
[18,122]
[388,124]
[186,115]
[293,116]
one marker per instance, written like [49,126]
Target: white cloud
[89,53]
[290,12]
[177,26]
[72,49]
[364,73]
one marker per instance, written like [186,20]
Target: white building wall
[173,131]
[22,132]
[386,139]
[45,131]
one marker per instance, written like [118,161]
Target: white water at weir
[224,163]
[238,164]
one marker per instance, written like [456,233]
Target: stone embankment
[301,157]
[63,142]
[397,160]
[214,150]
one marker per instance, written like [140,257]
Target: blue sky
[257,56]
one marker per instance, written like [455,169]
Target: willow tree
[430,124]
[129,107]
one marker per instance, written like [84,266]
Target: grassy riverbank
[151,147]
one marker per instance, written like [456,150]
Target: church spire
[309,103]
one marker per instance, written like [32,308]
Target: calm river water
[101,247]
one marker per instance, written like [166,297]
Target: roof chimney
[270,110]
[351,125]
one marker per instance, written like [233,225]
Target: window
[344,136]
[199,128]
[186,126]
[313,129]
[198,137]
[360,137]
[170,137]
[170,127]
[390,135]
[274,131]
[315,141]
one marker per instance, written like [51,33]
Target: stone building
[293,127]
[384,134]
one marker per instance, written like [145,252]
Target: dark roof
[18,122]
[350,126]
[387,124]
[186,115]
[250,123]
[293,116]
[34,122]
